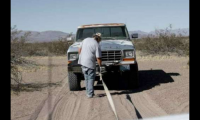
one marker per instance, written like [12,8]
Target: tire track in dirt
[79,112]
[73,107]
[43,112]
[124,108]
[100,109]
[176,103]
[182,107]
[65,108]
[76,106]
[146,106]
[59,108]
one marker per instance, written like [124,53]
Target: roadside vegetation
[22,47]
[56,48]
[163,43]
[17,51]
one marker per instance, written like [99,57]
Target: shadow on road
[148,79]
[31,87]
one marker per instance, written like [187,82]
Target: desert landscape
[149,41]
[164,90]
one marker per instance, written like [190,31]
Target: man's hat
[98,34]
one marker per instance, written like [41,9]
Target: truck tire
[133,81]
[73,81]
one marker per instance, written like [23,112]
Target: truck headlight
[73,56]
[129,54]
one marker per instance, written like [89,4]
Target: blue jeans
[89,75]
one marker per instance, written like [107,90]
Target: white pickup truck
[118,53]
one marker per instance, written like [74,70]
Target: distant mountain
[48,36]
[45,36]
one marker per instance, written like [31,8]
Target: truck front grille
[111,55]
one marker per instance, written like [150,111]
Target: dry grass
[58,47]
[20,48]
[164,43]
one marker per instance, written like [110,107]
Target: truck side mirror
[135,35]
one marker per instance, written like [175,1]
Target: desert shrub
[21,47]
[36,49]
[163,42]
[58,47]
[17,51]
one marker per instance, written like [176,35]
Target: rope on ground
[109,97]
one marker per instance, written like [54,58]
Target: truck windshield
[106,33]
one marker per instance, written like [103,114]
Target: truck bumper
[108,66]
[126,63]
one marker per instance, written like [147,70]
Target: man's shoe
[90,96]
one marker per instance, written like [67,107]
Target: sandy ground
[164,91]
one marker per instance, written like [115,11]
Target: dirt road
[164,91]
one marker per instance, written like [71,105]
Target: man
[89,52]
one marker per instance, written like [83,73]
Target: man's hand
[102,69]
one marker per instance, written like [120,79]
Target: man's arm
[98,54]
[79,51]
[99,61]
[80,47]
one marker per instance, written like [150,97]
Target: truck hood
[116,45]
[107,45]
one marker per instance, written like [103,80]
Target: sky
[67,15]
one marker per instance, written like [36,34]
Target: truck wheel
[133,81]
[73,81]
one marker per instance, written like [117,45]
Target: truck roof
[101,25]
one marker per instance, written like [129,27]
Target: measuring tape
[109,97]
